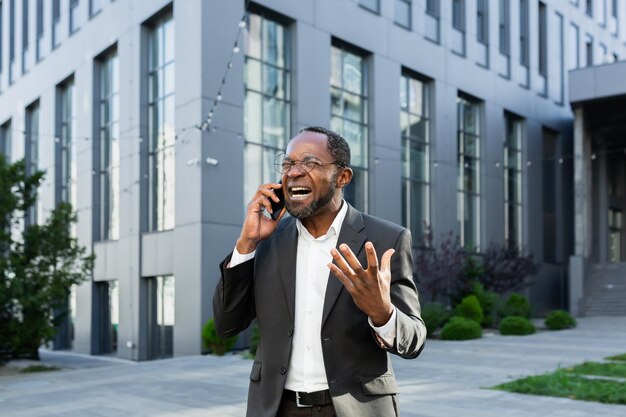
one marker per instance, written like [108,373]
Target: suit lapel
[286,253]
[351,235]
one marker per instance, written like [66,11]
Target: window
[403,13]
[523,33]
[482,21]
[24,35]
[108,297]
[267,100]
[432,7]
[543,40]
[513,181]
[373,5]
[589,7]
[504,26]
[560,59]
[5,140]
[38,50]
[574,47]
[161,125]
[431,21]
[588,50]
[31,150]
[11,39]
[161,310]
[468,145]
[415,127]
[348,92]
[66,172]
[56,18]
[550,194]
[95,6]
[73,16]
[458,15]
[107,164]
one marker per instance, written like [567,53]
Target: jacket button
[283,370]
[290,332]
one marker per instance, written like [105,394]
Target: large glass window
[161,125]
[482,21]
[589,7]
[403,13]
[543,40]
[267,100]
[5,140]
[348,92]
[415,127]
[574,47]
[24,35]
[38,51]
[458,15]
[56,19]
[523,33]
[73,16]
[108,163]
[108,315]
[513,180]
[66,148]
[431,21]
[161,316]
[31,148]
[468,115]
[504,27]
[11,39]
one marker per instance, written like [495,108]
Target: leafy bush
[515,325]
[434,315]
[470,308]
[506,267]
[559,320]
[487,300]
[214,341]
[461,328]
[515,305]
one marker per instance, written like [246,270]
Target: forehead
[311,143]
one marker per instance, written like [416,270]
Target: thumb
[385,261]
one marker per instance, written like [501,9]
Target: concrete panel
[157,253]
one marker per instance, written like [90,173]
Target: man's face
[306,194]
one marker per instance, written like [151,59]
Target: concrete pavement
[447,380]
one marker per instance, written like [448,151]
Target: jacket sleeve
[233,300]
[410,328]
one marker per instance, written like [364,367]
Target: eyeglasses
[305,164]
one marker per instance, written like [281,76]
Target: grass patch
[568,385]
[615,369]
[38,368]
[621,357]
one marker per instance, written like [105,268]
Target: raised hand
[371,287]
[256,226]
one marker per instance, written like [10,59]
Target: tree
[507,268]
[38,264]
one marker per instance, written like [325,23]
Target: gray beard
[307,211]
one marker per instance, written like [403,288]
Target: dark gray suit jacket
[359,372]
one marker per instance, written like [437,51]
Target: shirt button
[283,370]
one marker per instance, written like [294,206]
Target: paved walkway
[447,380]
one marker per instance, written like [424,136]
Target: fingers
[372,260]
[341,276]
[268,191]
[386,260]
[354,263]
[341,262]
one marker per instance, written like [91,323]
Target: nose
[294,171]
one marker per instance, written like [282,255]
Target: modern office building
[158,119]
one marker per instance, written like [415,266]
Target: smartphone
[277,207]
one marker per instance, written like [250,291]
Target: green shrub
[461,328]
[515,325]
[215,342]
[469,307]
[559,320]
[434,315]
[515,305]
[487,300]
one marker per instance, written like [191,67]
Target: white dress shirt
[306,370]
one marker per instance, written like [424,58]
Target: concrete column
[602,207]
[582,188]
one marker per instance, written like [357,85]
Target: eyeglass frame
[282,158]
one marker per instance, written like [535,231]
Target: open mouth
[299,193]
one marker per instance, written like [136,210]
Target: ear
[344,177]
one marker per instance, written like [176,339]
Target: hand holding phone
[277,207]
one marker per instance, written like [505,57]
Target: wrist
[383,318]
[245,246]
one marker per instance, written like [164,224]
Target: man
[324,336]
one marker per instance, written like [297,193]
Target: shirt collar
[334,228]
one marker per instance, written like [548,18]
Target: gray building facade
[158,119]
